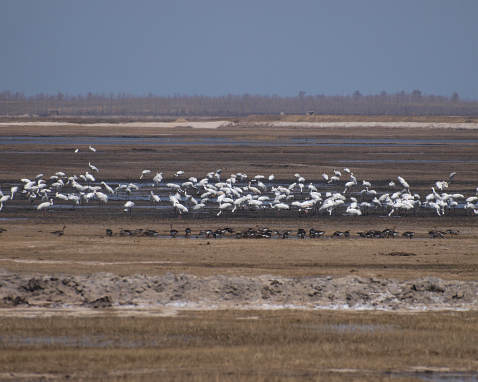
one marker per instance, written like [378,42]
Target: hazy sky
[217,47]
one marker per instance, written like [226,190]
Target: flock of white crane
[211,193]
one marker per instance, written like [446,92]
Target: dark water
[372,142]
[406,161]
[92,341]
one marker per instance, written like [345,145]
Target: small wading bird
[60,232]
[173,232]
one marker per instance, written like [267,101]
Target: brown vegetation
[241,345]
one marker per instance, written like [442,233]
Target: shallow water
[405,161]
[91,341]
[437,376]
[354,328]
[372,142]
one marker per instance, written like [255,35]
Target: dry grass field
[236,344]
[242,346]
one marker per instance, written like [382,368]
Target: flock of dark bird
[266,233]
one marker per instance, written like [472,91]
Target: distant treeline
[124,104]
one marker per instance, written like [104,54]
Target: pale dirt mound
[104,290]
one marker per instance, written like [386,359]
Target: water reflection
[98,340]
[150,141]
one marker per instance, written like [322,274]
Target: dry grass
[240,345]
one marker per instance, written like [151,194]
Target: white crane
[89,177]
[452,175]
[254,189]
[353,211]
[157,178]
[154,198]
[13,190]
[442,184]
[93,168]
[348,185]
[403,182]
[333,179]
[4,199]
[224,206]
[92,149]
[198,207]
[44,206]
[143,173]
[61,196]
[101,196]
[128,205]
[108,188]
[279,207]
[180,208]
[311,187]
[261,186]
[255,203]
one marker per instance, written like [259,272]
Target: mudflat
[202,278]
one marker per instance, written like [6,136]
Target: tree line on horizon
[126,104]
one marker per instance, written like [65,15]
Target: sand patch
[179,123]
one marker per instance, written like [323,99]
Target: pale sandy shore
[194,125]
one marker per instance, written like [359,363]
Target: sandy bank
[176,292]
[194,125]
